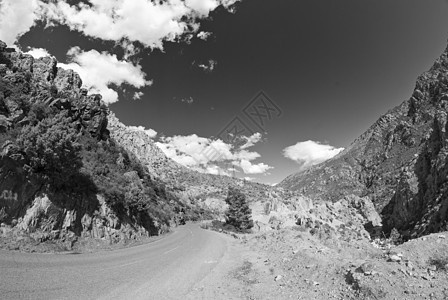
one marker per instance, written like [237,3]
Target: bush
[238,215]
[395,237]
[51,149]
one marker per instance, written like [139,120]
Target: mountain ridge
[375,164]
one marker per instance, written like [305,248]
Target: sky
[256,89]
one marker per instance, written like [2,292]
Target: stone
[278,278]
[394,258]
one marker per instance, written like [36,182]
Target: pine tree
[238,214]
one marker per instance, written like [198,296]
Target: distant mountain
[186,183]
[400,162]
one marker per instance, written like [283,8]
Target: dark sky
[331,66]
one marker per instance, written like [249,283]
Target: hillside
[62,175]
[69,169]
[193,186]
[399,162]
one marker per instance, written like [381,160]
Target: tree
[238,214]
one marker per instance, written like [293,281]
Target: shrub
[395,237]
[51,149]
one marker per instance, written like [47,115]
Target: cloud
[148,22]
[16,18]
[310,153]
[203,35]
[211,155]
[202,7]
[131,24]
[252,140]
[99,70]
[188,100]
[250,168]
[137,95]
[209,66]
[150,132]
[38,52]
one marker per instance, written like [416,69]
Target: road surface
[164,269]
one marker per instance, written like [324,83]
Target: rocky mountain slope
[69,169]
[205,190]
[399,162]
[62,176]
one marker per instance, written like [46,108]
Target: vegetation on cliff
[54,141]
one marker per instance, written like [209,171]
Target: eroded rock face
[141,145]
[30,206]
[399,162]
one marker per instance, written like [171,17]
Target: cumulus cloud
[99,70]
[38,52]
[127,22]
[309,153]
[16,18]
[149,22]
[150,132]
[250,168]
[211,155]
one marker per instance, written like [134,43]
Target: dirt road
[169,268]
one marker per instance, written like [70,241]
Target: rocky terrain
[63,178]
[295,264]
[399,162]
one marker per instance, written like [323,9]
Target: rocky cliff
[62,177]
[399,162]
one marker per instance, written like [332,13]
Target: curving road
[165,269]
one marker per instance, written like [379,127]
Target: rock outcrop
[399,162]
[32,92]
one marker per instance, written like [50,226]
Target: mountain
[63,176]
[400,162]
[195,187]
[70,170]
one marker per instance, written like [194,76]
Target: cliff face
[62,177]
[399,162]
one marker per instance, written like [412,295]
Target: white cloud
[188,100]
[149,22]
[252,140]
[250,168]
[137,95]
[202,7]
[209,155]
[203,35]
[150,132]
[310,153]
[129,23]
[38,52]
[209,66]
[99,70]
[16,18]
